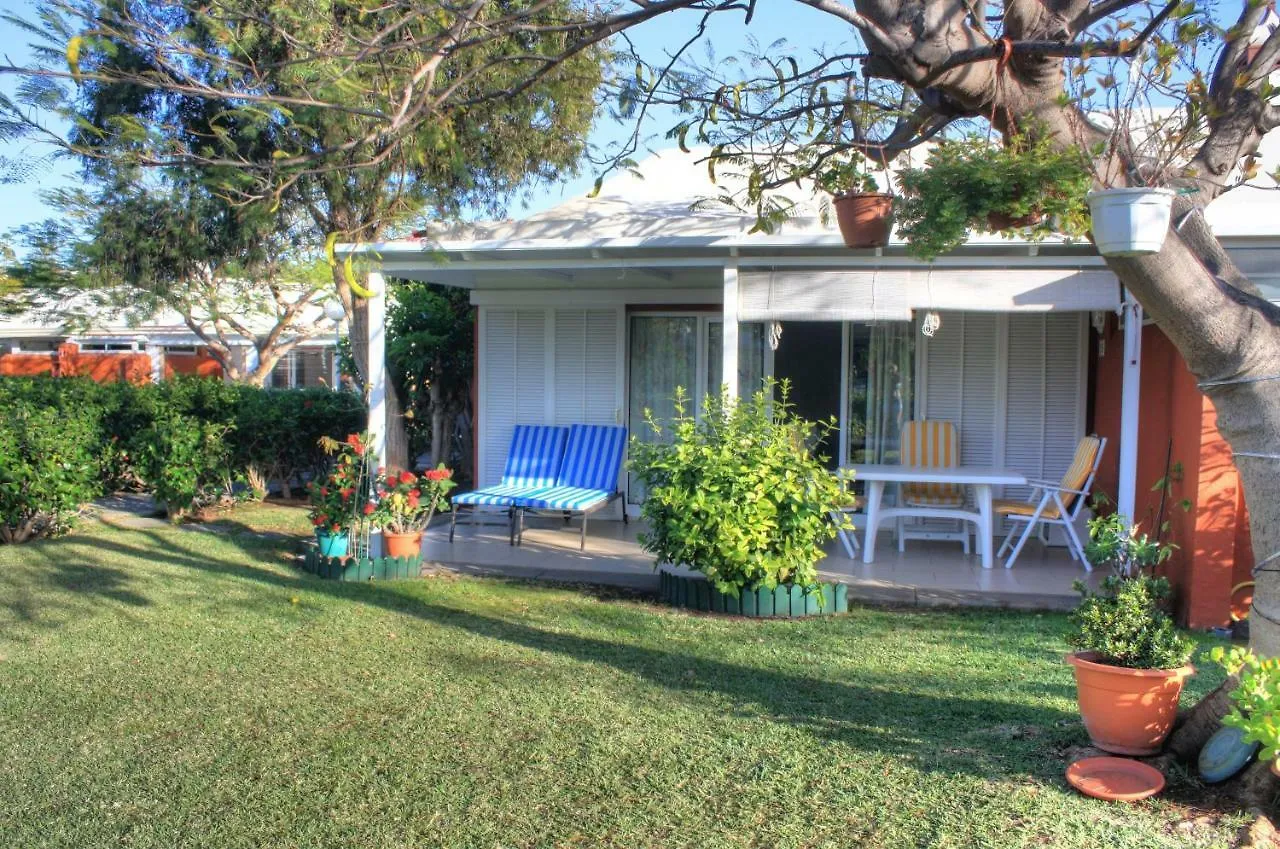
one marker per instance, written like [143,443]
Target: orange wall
[199,364]
[1178,425]
[26,365]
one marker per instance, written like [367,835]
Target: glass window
[751,356]
[881,389]
[282,372]
[663,355]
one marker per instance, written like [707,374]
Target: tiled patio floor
[927,573]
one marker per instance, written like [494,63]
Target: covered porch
[927,574]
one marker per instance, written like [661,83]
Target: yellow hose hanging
[348,269]
[73,56]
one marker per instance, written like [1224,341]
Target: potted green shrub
[863,212]
[1116,545]
[970,184]
[1255,702]
[1130,663]
[337,497]
[403,505]
[738,495]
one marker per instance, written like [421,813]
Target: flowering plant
[404,503]
[336,498]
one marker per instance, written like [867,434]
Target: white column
[377,382]
[729,336]
[377,378]
[1130,400]
[156,353]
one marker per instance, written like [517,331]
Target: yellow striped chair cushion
[1004,507]
[934,444]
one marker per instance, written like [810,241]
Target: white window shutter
[960,382]
[514,378]
[586,366]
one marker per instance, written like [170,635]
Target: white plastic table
[876,475]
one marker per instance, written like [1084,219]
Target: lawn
[166,688]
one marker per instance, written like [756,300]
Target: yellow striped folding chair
[1053,504]
[934,444]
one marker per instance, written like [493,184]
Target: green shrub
[1124,624]
[185,462]
[278,432]
[1116,545]
[48,468]
[1255,702]
[738,496]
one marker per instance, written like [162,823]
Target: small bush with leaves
[1255,702]
[1116,545]
[48,468]
[186,462]
[963,182]
[1123,623]
[738,496]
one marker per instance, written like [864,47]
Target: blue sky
[803,27]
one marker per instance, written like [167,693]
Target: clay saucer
[1115,779]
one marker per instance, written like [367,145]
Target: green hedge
[189,440]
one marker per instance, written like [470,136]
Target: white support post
[729,335]
[1130,401]
[377,382]
[156,353]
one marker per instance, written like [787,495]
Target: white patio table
[876,475]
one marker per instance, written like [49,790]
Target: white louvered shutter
[515,381]
[961,379]
[586,366]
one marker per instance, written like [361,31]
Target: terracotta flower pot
[402,545]
[1000,221]
[864,218]
[1127,711]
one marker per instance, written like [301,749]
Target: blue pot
[331,544]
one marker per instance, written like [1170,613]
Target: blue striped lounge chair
[533,464]
[588,477]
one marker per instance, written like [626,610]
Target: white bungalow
[599,308]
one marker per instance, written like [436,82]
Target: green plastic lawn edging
[783,602]
[363,569]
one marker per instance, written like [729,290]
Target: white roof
[83,315]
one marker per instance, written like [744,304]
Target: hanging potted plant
[863,212]
[972,184]
[1130,663]
[1130,221]
[1255,702]
[403,506]
[335,498]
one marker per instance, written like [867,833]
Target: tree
[285,105]
[240,278]
[910,71]
[430,354]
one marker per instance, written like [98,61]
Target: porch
[926,574]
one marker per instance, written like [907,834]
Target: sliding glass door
[881,389]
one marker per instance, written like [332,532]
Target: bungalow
[596,310]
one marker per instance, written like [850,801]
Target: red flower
[415,493]
[318,521]
[354,441]
[324,490]
[413,500]
[407,477]
[368,508]
[346,493]
[439,474]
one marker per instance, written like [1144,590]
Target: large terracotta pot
[1127,711]
[402,545]
[864,218]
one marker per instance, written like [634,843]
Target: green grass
[169,688]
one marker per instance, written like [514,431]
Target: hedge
[190,440]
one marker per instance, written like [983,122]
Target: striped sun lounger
[533,464]
[588,477]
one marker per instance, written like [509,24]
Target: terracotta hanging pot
[1127,711]
[865,218]
[402,545]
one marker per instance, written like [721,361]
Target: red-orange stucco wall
[199,364]
[1178,439]
[26,365]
